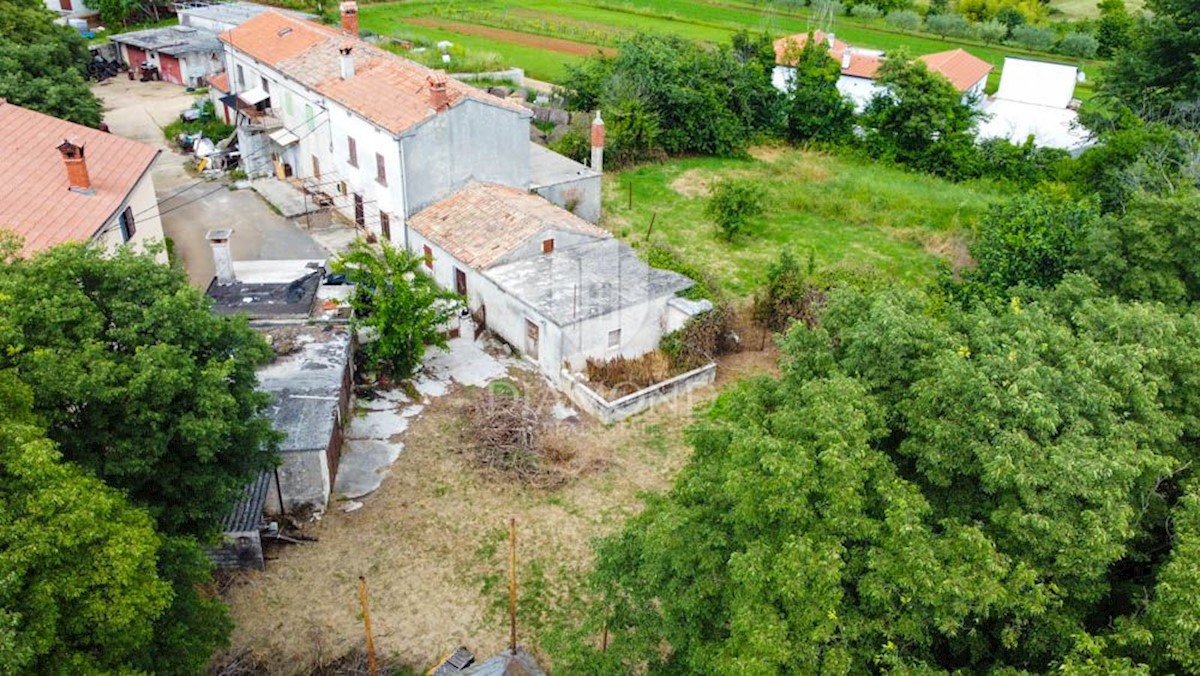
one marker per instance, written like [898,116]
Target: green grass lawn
[841,210]
[710,20]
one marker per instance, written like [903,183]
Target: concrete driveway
[189,205]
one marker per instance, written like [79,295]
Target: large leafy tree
[402,307]
[699,98]
[138,381]
[816,110]
[999,489]
[919,119]
[78,586]
[42,65]
[1158,71]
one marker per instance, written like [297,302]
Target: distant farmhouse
[859,66]
[447,171]
[68,183]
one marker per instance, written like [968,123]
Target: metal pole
[362,599]
[512,586]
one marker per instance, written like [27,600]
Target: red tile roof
[37,203]
[861,65]
[387,90]
[797,42]
[220,82]
[961,68]
[483,222]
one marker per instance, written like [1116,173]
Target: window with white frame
[614,339]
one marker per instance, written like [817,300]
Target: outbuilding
[180,55]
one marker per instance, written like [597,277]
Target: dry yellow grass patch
[431,539]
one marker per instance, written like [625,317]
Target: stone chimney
[846,59]
[598,143]
[439,99]
[349,11]
[76,164]
[222,258]
[347,52]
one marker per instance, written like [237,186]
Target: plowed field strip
[549,44]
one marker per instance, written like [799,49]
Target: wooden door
[360,216]
[531,339]
[460,282]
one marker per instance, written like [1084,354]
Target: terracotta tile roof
[799,40]
[387,90]
[961,68]
[861,65]
[37,203]
[220,82]
[481,223]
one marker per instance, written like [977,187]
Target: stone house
[69,183]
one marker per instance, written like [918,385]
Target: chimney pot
[846,59]
[76,164]
[832,39]
[598,143]
[347,52]
[349,11]
[222,258]
[439,99]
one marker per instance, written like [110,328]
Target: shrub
[732,204]
[1078,44]
[948,25]
[701,340]
[903,20]
[865,11]
[573,144]
[827,7]
[1032,37]
[992,30]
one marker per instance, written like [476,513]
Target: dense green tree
[1133,157]
[817,111]
[920,491]
[43,66]
[1114,27]
[1158,70]
[78,587]
[1030,240]
[903,20]
[403,308]
[1078,44]
[695,97]
[139,382]
[1151,251]
[919,118]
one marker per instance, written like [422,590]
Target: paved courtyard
[191,206]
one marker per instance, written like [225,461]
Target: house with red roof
[965,71]
[68,183]
[448,171]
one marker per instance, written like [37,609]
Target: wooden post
[650,229]
[604,639]
[362,599]
[512,586]
[631,194]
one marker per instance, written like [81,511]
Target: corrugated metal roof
[247,514]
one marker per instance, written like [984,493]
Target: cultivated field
[840,210]
[543,36]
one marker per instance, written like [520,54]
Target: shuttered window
[352,147]
[380,170]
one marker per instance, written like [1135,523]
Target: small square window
[548,245]
[614,339]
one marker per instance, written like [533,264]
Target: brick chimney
[346,50]
[222,258]
[76,163]
[349,11]
[598,143]
[439,100]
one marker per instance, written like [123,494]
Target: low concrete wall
[514,75]
[619,409]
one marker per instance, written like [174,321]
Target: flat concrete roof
[236,13]
[306,385]
[547,168]
[589,280]
[281,293]
[171,40]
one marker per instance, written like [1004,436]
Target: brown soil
[431,541]
[549,44]
[950,246]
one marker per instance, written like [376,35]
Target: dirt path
[525,39]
